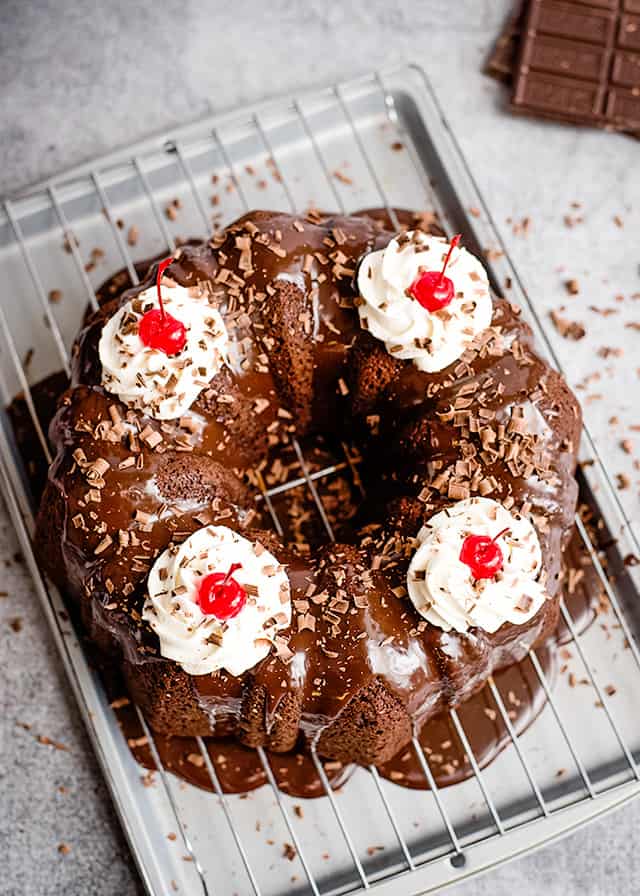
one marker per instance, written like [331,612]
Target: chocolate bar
[580,62]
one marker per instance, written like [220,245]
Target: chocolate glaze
[238,768]
[483,725]
[364,678]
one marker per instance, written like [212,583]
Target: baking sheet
[379,140]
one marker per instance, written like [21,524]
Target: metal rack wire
[456,844]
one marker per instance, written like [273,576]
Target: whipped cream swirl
[163,386]
[431,339]
[202,643]
[442,587]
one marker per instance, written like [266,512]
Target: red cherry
[165,333]
[221,596]
[431,288]
[482,555]
[158,329]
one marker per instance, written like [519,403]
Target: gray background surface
[78,79]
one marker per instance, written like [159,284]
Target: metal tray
[336,148]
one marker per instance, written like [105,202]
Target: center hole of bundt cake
[312,504]
[336,472]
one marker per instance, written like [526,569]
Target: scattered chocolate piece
[572,286]
[342,177]
[567,328]
[196,759]
[47,742]
[96,256]
[120,702]
[71,241]
[171,210]
[289,851]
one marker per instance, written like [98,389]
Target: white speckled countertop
[81,78]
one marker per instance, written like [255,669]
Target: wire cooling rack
[383,141]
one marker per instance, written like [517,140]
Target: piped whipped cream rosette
[200,641]
[443,587]
[161,385]
[431,339]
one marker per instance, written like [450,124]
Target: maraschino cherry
[431,288]
[220,595]
[483,555]
[161,330]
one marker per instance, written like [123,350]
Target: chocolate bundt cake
[283,328]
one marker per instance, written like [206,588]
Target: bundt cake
[283,328]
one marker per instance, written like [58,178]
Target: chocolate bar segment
[572,20]
[555,54]
[580,63]
[501,63]
[629,36]
[626,70]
